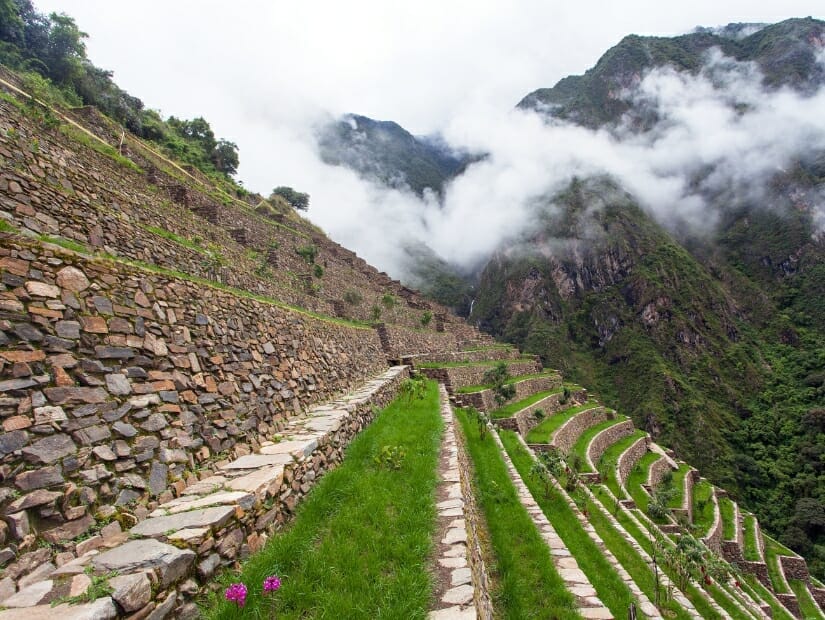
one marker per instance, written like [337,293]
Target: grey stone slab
[207,517]
[298,448]
[136,555]
[131,592]
[222,498]
[259,482]
[101,609]
[460,595]
[254,461]
[456,612]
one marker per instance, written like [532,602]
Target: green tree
[225,157]
[65,51]
[298,200]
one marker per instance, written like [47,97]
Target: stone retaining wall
[399,342]
[475,533]
[526,419]
[164,560]
[713,540]
[794,567]
[818,595]
[462,376]
[658,470]
[629,458]
[734,550]
[790,603]
[485,400]
[480,355]
[566,436]
[606,438]
[687,495]
[116,383]
[760,569]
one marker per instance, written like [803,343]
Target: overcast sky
[261,71]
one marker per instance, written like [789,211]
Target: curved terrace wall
[658,470]
[485,399]
[565,437]
[713,540]
[549,405]
[607,438]
[629,458]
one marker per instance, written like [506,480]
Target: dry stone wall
[477,355]
[115,383]
[713,540]
[629,458]
[526,419]
[607,438]
[400,342]
[485,399]
[567,435]
[658,470]
[464,376]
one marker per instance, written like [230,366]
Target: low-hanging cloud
[719,137]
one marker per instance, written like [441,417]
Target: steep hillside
[384,152]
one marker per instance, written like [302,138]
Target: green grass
[478,388]
[679,485]
[580,447]
[187,243]
[509,410]
[751,544]
[544,431]
[612,591]
[728,518]
[359,546]
[638,476]
[490,347]
[693,595]
[809,608]
[723,599]
[98,145]
[703,513]
[772,552]
[7,227]
[632,562]
[69,244]
[524,577]
[610,458]
[779,611]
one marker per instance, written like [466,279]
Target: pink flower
[272,583]
[236,593]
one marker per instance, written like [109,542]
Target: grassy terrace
[679,485]
[728,518]
[751,544]
[544,431]
[518,360]
[638,477]
[360,543]
[509,410]
[524,577]
[772,550]
[759,592]
[632,562]
[806,602]
[478,388]
[607,464]
[703,513]
[612,591]
[579,450]
[693,594]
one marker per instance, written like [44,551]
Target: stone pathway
[455,591]
[213,523]
[590,606]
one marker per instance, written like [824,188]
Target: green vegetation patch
[612,591]
[510,410]
[639,476]
[703,512]
[360,543]
[466,364]
[579,450]
[810,610]
[751,544]
[762,593]
[610,458]
[728,513]
[544,431]
[678,486]
[772,552]
[524,577]
[98,145]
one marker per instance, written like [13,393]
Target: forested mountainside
[713,340]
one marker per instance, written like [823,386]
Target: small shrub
[538,414]
[412,389]
[390,457]
[565,396]
[308,253]
[426,318]
[353,297]
[375,313]
[497,377]
[318,271]
[388,301]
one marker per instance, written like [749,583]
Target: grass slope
[359,545]
[525,579]
[509,410]
[612,591]
[544,431]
